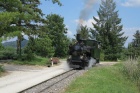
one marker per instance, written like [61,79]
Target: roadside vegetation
[1,70]
[107,79]
[46,33]
[41,61]
[131,70]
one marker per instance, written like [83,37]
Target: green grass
[102,80]
[36,61]
[131,69]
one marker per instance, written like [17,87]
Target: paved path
[22,77]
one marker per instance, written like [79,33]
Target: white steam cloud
[85,12]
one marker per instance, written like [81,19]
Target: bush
[44,47]
[8,53]
[1,68]
[28,55]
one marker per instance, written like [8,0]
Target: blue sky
[129,11]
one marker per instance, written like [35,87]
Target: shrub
[28,55]
[8,53]
[1,68]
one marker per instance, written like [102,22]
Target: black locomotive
[82,52]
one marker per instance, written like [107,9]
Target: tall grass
[104,79]
[131,69]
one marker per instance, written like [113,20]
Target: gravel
[58,87]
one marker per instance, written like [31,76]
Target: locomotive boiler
[83,52]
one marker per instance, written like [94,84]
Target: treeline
[108,30]
[133,50]
[46,33]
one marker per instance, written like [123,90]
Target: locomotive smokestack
[78,37]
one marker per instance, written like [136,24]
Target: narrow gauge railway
[55,84]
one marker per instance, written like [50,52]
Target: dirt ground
[23,68]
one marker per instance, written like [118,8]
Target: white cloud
[69,34]
[131,3]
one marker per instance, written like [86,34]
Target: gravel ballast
[53,86]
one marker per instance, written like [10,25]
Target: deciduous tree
[56,30]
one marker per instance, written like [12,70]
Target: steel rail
[24,91]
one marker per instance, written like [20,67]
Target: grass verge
[36,61]
[131,70]
[106,79]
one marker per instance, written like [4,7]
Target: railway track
[54,84]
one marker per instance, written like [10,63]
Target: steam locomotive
[84,53]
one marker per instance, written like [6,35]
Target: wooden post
[52,61]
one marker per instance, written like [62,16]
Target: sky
[129,12]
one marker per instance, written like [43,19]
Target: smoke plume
[85,12]
[92,62]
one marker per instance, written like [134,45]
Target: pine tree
[108,30]
[134,46]
[29,15]
[84,32]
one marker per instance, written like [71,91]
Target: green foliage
[8,53]
[41,61]
[102,80]
[55,29]
[5,22]
[21,16]
[57,1]
[28,54]
[102,55]
[107,29]
[84,32]
[134,47]
[43,47]
[131,69]
[1,68]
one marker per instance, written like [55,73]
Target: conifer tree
[29,15]
[134,46]
[108,30]
[84,32]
